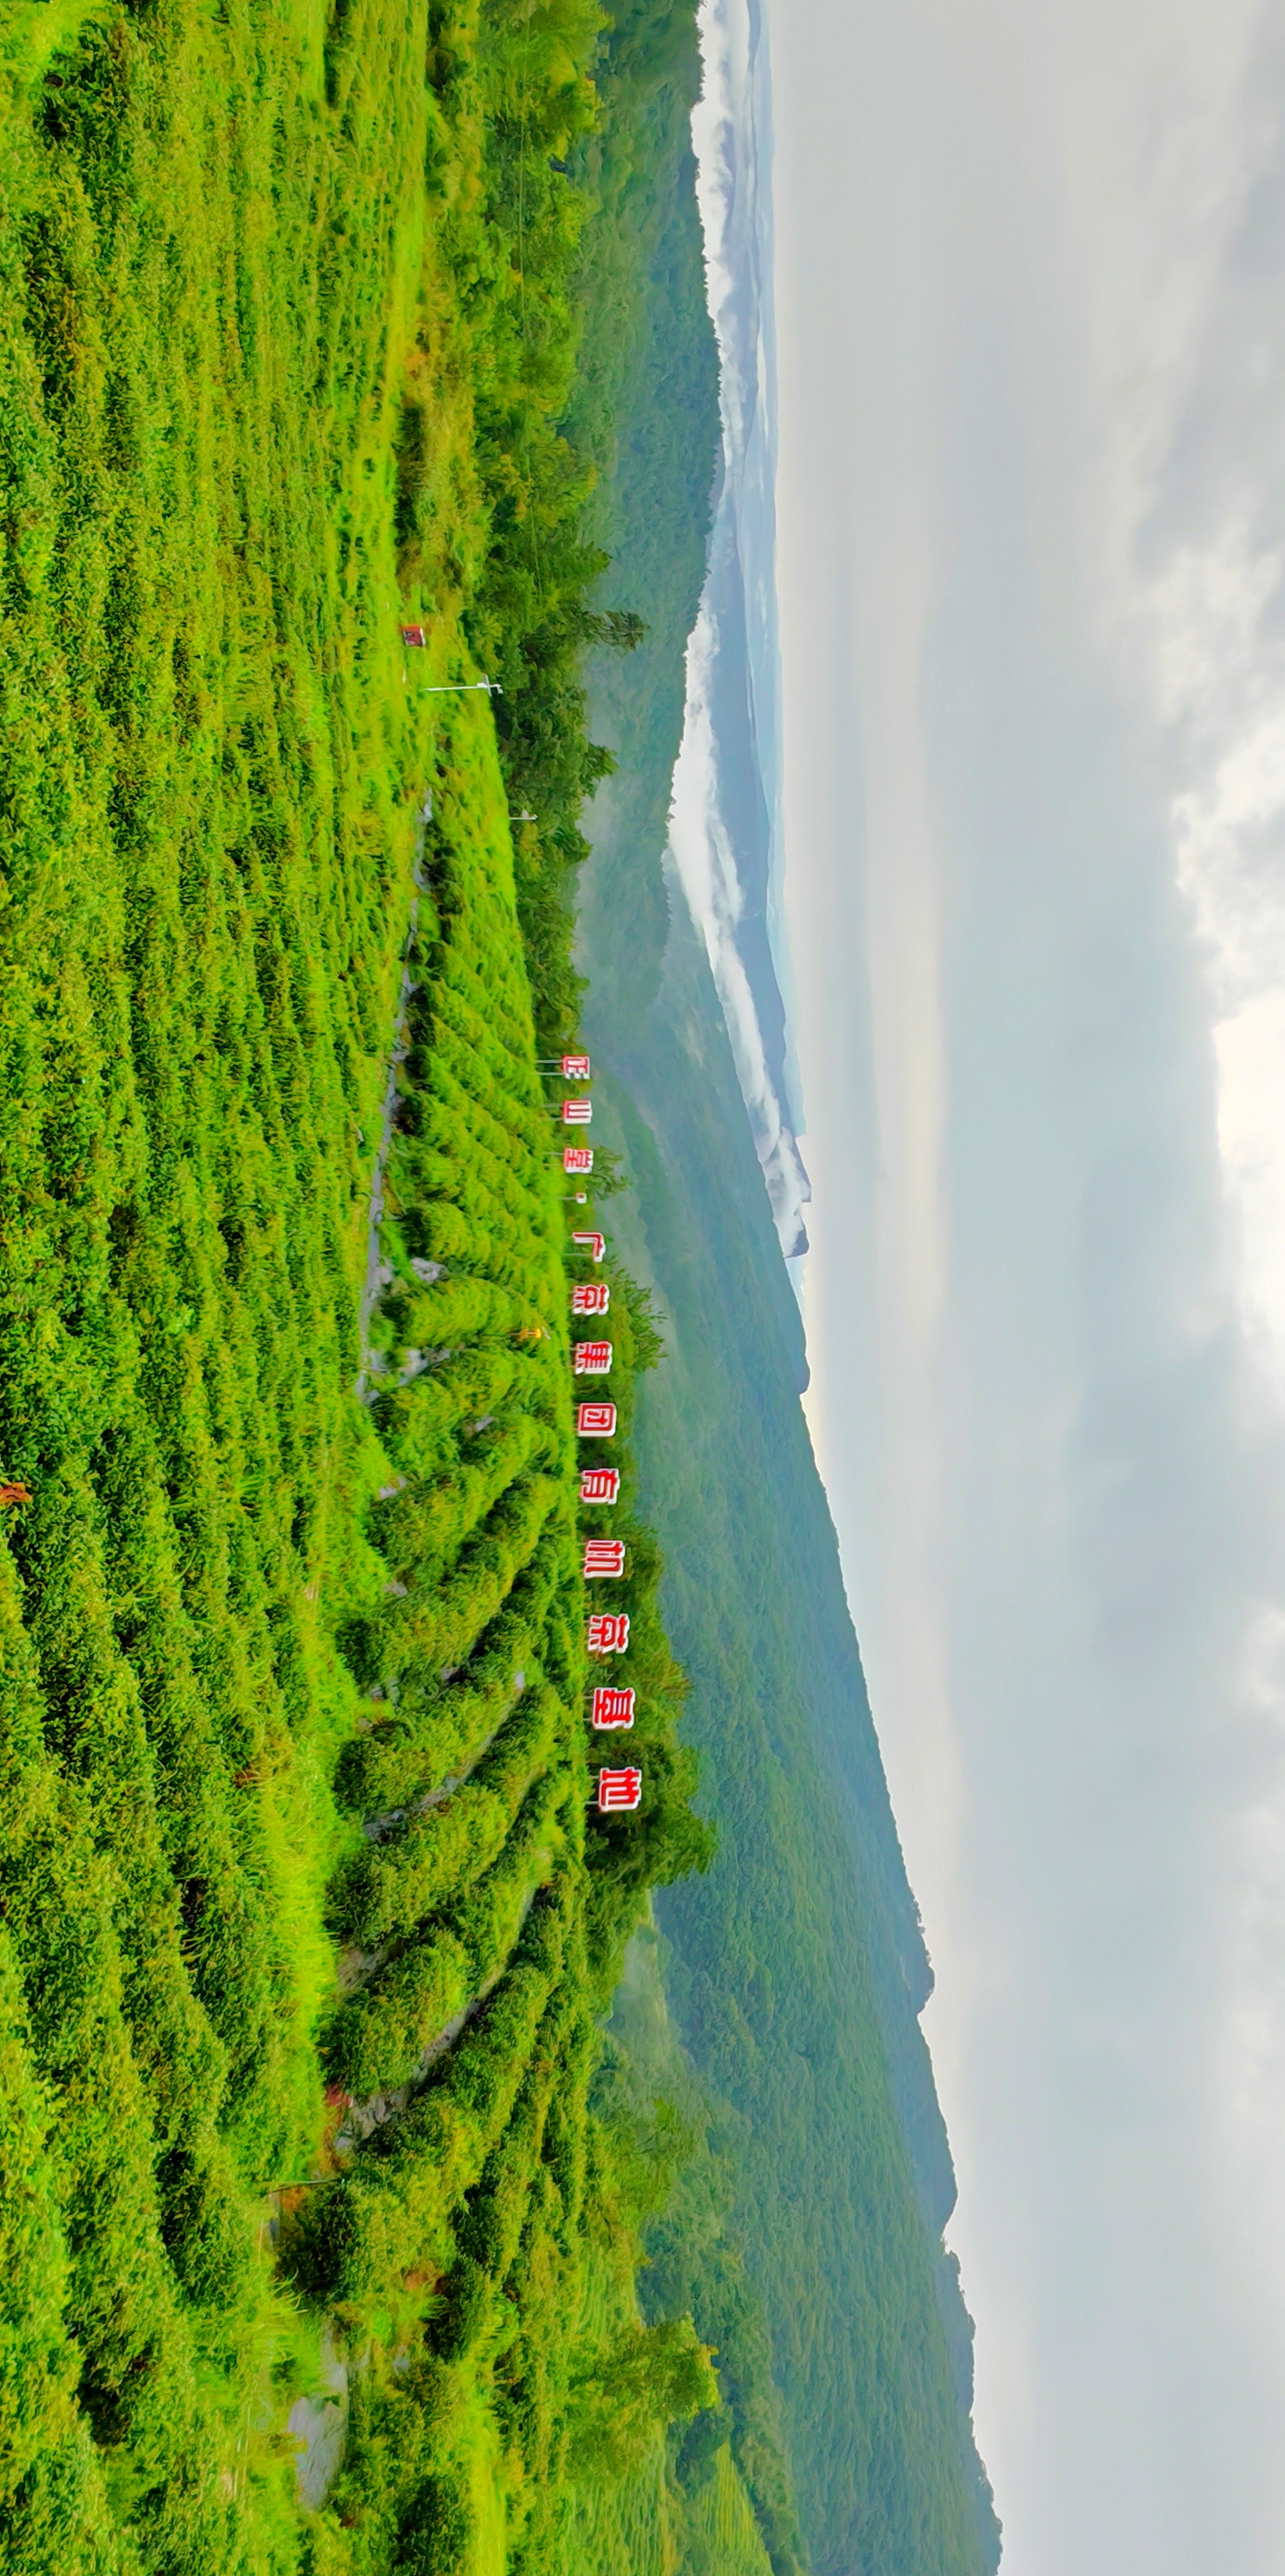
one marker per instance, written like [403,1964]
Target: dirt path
[319,2422]
[320,2425]
[361,2119]
[378,1273]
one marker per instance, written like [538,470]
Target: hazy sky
[1031,321]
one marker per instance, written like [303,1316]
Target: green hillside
[324,2183]
[640,2527]
[772,1965]
[313,2256]
[797,1969]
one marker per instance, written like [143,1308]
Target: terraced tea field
[306,1919]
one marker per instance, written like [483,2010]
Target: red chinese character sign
[577,1158]
[594,1244]
[599,1484]
[609,1632]
[596,1421]
[578,1113]
[593,1298]
[575,1068]
[619,1790]
[603,1556]
[591,1359]
[612,1706]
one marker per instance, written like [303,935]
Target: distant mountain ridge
[798,1970]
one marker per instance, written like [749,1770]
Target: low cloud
[733,891]
[706,863]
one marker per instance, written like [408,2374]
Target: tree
[654,2376]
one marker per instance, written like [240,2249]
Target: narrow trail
[361,2119]
[319,2421]
[319,2424]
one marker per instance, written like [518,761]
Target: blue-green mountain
[796,1970]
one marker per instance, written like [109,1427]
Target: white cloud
[733,179]
[706,866]
[1219,677]
[1032,511]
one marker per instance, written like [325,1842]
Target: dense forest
[345,2225]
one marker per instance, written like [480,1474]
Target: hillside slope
[797,1969]
[311,2250]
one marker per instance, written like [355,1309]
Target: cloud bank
[1032,570]
[725,831]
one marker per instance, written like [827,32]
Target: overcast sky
[1031,319]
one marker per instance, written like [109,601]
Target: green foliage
[204,825]
[796,1965]
[312,323]
[671,2155]
[485,1889]
[566,262]
[652,2376]
[645,409]
[293,1750]
[52,2497]
[797,1968]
